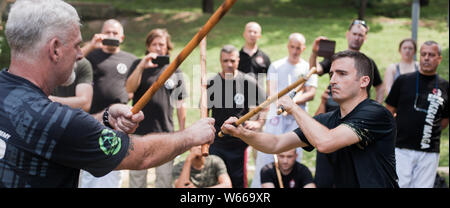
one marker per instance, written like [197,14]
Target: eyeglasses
[359,22]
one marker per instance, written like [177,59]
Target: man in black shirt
[293,174]
[356,36]
[358,138]
[252,60]
[420,100]
[110,66]
[233,93]
[44,143]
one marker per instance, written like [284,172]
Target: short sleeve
[133,67]
[326,65]
[321,118]
[272,73]
[267,175]
[312,81]
[219,165]
[305,174]
[180,85]
[86,144]
[376,74]
[370,123]
[85,73]
[177,170]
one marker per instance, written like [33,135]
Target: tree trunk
[208,6]
[362,9]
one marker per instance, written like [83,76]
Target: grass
[183,19]
[389,22]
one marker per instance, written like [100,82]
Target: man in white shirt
[281,74]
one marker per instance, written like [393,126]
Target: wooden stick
[213,20]
[277,169]
[203,93]
[281,109]
[270,100]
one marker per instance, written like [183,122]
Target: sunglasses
[359,22]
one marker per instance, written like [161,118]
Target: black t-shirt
[419,121]
[110,76]
[227,98]
[259,62]
[297,178]
[370,162]
[326,66]
[45,144]
[159,110]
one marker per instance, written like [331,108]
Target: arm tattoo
[130,146]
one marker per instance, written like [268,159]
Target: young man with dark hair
[356,36]
[358,138]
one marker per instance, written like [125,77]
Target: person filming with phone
[143,73]
[110,66]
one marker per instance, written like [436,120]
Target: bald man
[253,61]
[282,73]
[110,66]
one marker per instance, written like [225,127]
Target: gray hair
[229,49]
[32,23]
[432,42]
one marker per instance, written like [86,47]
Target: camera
[161,60]
[326,48]
[110,42]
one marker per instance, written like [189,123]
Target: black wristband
[106,118]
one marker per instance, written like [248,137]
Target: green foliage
[4,51]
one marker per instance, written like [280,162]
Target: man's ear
[122,38]
[54,49]
[365,81]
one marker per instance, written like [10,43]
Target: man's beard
[69,80]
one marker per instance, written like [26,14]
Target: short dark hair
[408,40]
[363,64]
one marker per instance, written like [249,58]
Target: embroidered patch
[109,142]
[122,68]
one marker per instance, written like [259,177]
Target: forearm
[308,95]
[73,102]
[87,48]
[152,150]
[181,115]
[263,142]
[379,91]
[184,175]
[134,80]
[321,108]
[313,63]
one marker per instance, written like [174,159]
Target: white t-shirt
[284,73]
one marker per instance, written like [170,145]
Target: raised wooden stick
[203,93]
[270,100]
[213,20]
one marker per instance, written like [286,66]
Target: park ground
[389,22]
